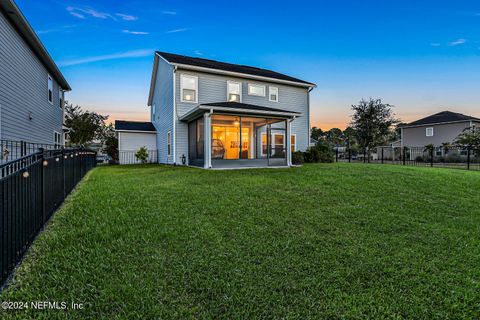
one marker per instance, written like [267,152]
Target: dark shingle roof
[238,105]
[441,117]
[217,65]
[133,126]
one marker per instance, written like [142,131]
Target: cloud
[457,42]
[176,30]
[135,32]
[198,53]
[126,17]
[81,13]
[59,29]
[172,13]
[114,56]
[435,44]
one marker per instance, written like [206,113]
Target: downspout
[308,116]
[289,141]
[174,133]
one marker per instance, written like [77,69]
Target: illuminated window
[189,88]
[293,142]
[234,91]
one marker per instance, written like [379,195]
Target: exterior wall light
[25,174]
[57,159]
[45,163]
[184,159]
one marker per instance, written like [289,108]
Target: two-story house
[436,129]
[221,115]
[31,85]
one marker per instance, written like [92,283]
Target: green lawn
[319,241]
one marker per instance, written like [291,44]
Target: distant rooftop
[442,117]
[223,66]
[121,125]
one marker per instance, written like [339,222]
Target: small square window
[429,132]
[273,94]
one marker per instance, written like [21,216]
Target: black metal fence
[443,157]
[11,150]
[31,189]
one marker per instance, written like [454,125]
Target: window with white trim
[273,94]
[234,91]
[256,90]
[169,143]
[50,89]
[189,88]
[293,142]
[429,132]
[60,96]
[57,139]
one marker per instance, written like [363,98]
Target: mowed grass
[318,241]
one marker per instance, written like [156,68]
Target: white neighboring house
[132,136]
[213,114]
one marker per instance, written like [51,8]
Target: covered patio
[237,135]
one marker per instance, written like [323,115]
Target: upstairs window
[273,94]
[256,90]
[189,88]
[234,91]
[429,132]
[60,96]
[50,89]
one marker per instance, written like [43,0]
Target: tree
[316,133]
[372,122]
[110,142]
[469,138]
[334,136]
[142,154]
[85,125]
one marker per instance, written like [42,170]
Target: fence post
[63,174]
[404,154]
[431,156]
[22,148]
[349,155]
[364,154]
[468,158]
[382,154]
[42,177]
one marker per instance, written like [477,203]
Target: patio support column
[288,133]
[207,122]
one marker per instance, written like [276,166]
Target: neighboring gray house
[31,85]
[220,115]
[436,129]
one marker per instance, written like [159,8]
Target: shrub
[297,157]
[142,154]
[455,158]
[320,153]
[419,159]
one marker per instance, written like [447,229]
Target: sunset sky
[421,56]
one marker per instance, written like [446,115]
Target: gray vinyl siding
[163,102]
[213,88]
[416,136]
[24,90]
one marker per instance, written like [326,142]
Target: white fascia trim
[137,131]
[436,124]
[206,107]
[243,75]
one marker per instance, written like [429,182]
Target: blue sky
[421,56]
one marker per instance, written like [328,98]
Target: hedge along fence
[31,189]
